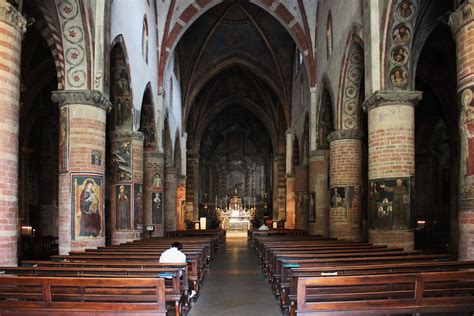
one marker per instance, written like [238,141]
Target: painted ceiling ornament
[401,34]
[350,108]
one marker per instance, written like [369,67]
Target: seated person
[174,254]
[263,227]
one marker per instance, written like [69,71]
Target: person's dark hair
[177,245]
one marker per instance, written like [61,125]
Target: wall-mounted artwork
[157,207]
[138,207]
[123,205]
[96,158]
[122,161]
[312,207]
[390,203]
[121,96]
[147,126]
[157,182]
[338,197]
[87,206]
[63,139]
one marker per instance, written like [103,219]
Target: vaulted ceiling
[236,54]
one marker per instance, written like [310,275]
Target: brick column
[153,178]
[181,202]
[462,26]
[81,167]
[171,184]
[318,183]
[302,197]
[192,191]
[12,26]
[290,202]
[391,167]
[345,219]
[127,176]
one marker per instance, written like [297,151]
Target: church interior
[314,155]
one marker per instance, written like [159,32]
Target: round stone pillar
[391,167]
[345,219]
[318,183]
[12,27]
[171,185]
[126,191]
[82,117]
[462,26]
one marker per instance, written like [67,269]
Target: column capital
[127,134]
[10,15]
[462,16]
[392,97]
[345,134]
[319,153]
[88,97]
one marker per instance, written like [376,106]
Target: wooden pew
[176,285]
[441,291]
[290,295]
[81,296]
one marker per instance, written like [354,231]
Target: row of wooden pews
[126,279]
[312,275]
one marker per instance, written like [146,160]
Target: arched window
[145,40]
[329,35]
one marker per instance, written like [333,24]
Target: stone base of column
[466,235]
[393,238]
[119,237]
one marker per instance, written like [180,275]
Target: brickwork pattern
[318,182]
[171,184]
[466,235]
[392,238]
[391,141]
[10,48]
[345,170]
[86,133]
[290,203]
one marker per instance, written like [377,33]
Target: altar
[235,217]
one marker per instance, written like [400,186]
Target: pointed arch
[352,76]
[325,121]
[147,120]
[120,89]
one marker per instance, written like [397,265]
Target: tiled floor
[235,285]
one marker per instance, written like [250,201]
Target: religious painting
[63,139]
[338,197]
[312,207]
[390,203]
[147,126]
[138,206]
[325,120]
[405,10]
[120,90]
[96,158]
[123,205]
[157,182]
[87,211]
[157,207]
[353,205]
[399,77]
[180,202]
[122,161]
[401,35]
[399,56]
